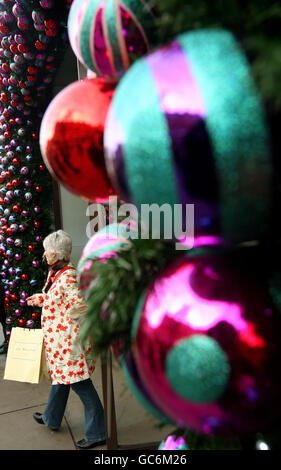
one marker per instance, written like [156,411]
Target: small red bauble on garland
[22,48]
[35,315]
[22,322]
[16,208]
[31,248]
[32,70]
[71,138]
[24,277]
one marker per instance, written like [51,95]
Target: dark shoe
[83,444]
[38,418]
[4,348]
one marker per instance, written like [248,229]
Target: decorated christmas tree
[33,41]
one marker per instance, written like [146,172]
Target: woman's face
[50,257]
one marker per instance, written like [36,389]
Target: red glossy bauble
[14,48]
[5,67]
[22,322]
[36,224]
[51,32]
[32,70]
[13,297]
[4,29]
[24,277]
[16,208]
[16,181]
[2,179]
[31,248]
[4,97]
[34,315]
[51,24]
[42,167]
[38,189]
[22,48]
[15,161]
[71,138]
[40,46]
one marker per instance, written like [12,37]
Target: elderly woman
[61,304]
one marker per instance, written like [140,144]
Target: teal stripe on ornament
[85,37]
[147,147]
[121,230]
[238,130]
[112,34]
[93,256]
[144,17]
[140,397]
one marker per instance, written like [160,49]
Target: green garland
[110,310]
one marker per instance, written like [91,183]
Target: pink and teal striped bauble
[104,244]
[186,126]
[108,35]
[173,442]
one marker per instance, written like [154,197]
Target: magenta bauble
[207,345]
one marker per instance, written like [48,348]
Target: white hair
[59,243]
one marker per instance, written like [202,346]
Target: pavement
[19,431]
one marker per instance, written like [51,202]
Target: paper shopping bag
[24,355]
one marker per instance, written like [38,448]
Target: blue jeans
[93,409]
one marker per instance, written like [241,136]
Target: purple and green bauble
[206,341]
[108,36]
[196,134]
[104,244]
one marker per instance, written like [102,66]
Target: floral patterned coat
[66,360]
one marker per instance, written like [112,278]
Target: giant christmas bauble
[107,36]
[186,126]
[207,345]
[71,138]
[104,244]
